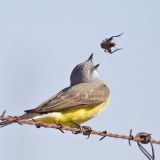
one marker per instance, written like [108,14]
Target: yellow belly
[73,115]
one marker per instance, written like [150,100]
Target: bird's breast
[78,115]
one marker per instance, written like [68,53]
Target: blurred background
[41,42]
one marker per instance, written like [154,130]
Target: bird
[85,97]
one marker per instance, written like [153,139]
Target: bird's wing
[78,96]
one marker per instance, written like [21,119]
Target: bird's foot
[86,130]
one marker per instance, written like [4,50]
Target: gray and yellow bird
[83,100]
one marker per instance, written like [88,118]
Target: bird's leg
[77,126]
[59,126]
[86,130]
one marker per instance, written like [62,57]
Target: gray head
[84,72]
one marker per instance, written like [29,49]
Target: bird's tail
[4,123]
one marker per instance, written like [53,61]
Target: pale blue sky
[41,42]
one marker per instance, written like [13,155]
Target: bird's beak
[96,66]
[90,57]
